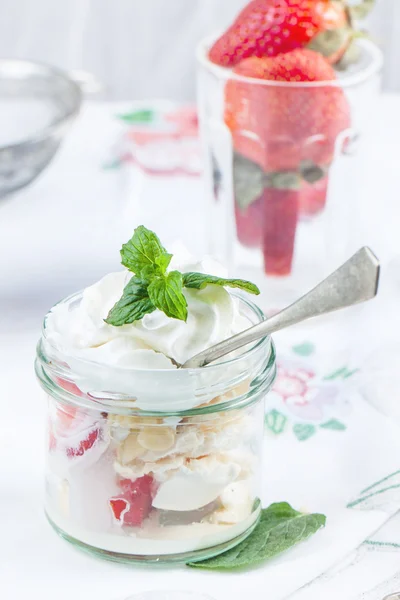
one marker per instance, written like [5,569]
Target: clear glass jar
[155,465]
[283,168]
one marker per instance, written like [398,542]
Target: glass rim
[210,367]
[122,408]
[352,80]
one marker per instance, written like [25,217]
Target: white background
[143,48]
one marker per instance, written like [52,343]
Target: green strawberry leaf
[199,281]
[310,172]
[361,10]
[144,254]
[330,41]
[137,116]
[166,294]
[134,304]
[280,527]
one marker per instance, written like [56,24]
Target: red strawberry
[84,444]
[249,223]
[312,197]
[52,438]
[280,128]
[271,27]
[280,223]
[134,504]
[69,386]
[248,183]
[65,413]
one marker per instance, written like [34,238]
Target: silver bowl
[37,105]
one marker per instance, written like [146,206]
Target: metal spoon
[355,281]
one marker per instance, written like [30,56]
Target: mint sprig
[199,281]
[134,304]
[144,254]
[280,527]
[153,287]
[167,295]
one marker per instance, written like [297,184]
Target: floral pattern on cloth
[160,141]
[304,400]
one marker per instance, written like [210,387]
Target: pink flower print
[170,147]
[303,395]
[186,121]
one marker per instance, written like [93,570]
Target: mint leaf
[144,254]
[152,287]
[134,304]
[199,281]
[166,294]
[280,527]
[248,181]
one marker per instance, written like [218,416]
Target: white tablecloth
[75,199]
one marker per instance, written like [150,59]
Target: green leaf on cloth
[280,527]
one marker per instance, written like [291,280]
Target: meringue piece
[140,468]
[129,449]
[236,503]
[196,484]
[156,438]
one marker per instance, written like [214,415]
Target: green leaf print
[303,432]
[275,421]
[305,349]
[334,425]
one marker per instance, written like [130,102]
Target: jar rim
[374,66]
[51,364]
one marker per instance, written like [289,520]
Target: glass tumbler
[283,170]
[155,465]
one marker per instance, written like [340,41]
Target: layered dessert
[146,459]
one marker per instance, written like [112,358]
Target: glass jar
[155,465]
[283,169]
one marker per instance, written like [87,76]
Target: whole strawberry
[270,27]
[287,120]
[288,115]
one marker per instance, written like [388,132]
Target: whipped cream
[129,355]
[213,315]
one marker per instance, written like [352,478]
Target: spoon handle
[355,281]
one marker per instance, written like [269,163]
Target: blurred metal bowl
[37,105]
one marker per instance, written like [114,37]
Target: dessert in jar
[147,461]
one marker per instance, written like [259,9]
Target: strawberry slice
[133,506]
[52,438]
[280,223]
[249,223]
[66,414]
[84,444]
[312,197]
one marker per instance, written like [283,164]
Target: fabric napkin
[326,448]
